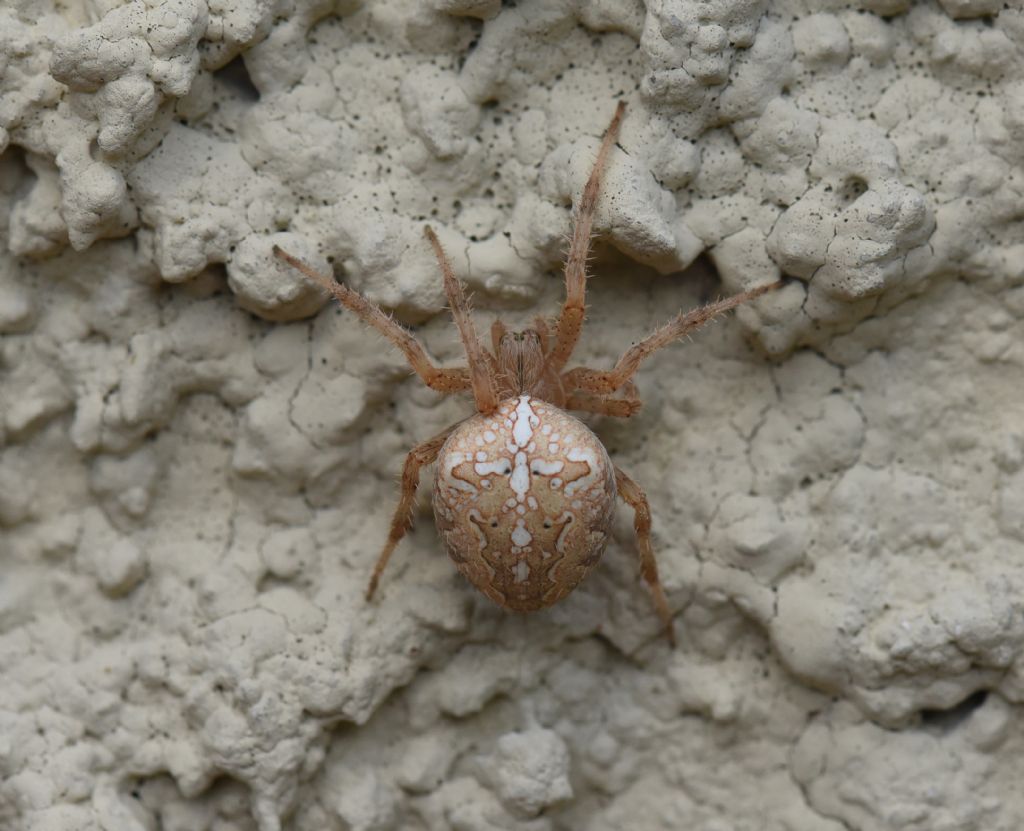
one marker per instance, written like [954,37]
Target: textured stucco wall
[197,469]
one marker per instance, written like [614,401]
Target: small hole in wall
[235,77]
[704,275]
[16,177]
[852,188]
[951,718]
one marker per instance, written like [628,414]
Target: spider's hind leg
[632,494]
[422,454]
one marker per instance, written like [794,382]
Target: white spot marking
[490,437]
[526,420]
[498,466]
[521,571]
[556,483]
[545,468]
[475,518]
[565,520]
[520,478]
[584,482]
[450,480]
[520,536]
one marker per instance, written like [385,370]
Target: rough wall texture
[197,471]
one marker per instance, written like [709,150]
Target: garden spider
[524,492]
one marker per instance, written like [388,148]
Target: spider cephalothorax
[524,491]
[520,358]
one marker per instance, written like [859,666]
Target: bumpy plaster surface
[196,470]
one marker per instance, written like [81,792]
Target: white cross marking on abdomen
[526,420]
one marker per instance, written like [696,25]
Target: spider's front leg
[481,369]
[632,494]
[625,405]
[401,522]
[437,378]
[605,382]
[570,320]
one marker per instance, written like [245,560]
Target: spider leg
[600,381]
[570,320]
[422,454]
[624,406]
[632,494]
[540,324]
[481,370]
[442,380]
[498,330]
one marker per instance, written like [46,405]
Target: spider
[524,492]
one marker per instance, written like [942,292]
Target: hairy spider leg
[498,330]
[605,382]
[570,320]
[442,380]
[540,326]
[623,407]
[481,370]
[421,455]
[632,494]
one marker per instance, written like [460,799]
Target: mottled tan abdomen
[523,500]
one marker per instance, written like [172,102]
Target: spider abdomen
[523,500]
